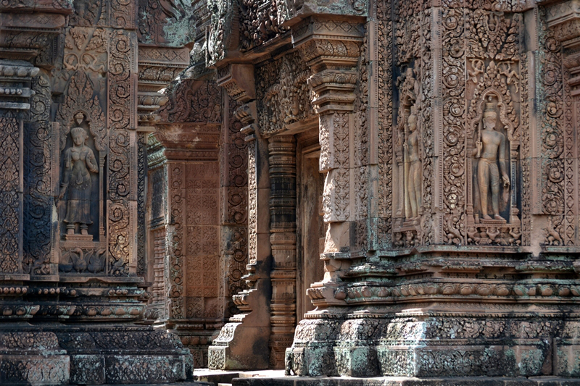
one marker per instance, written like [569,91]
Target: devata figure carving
[413,182]
[79,163]
[488,146]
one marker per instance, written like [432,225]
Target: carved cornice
[331,47]
[238,80]
[64,7]
[31,36]
[327,43]
[564,19]
[15,80]
[158,66]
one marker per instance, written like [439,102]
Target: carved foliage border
[385,124]
[10,203]
[39,151]
[552,132]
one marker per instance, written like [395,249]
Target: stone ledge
[402,381]
[164,384]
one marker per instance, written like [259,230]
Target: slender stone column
[282,151]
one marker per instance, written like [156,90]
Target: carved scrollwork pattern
[427,132]
[141,203]
[525,152]
[237,197]
[121,120]
[252,204]
[361,135]
[175,239]
[123,14]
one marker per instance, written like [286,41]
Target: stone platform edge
[403,381]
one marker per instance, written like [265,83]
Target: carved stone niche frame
[406,228]
[84,254]
[493,232]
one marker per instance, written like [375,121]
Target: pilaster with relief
[331,47]
[251,327]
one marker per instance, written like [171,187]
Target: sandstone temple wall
[447,141]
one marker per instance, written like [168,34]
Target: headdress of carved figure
[489,110]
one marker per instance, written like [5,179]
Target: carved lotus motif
[449,289]
[502,290]
[564,291]
[466,289]
[483,290]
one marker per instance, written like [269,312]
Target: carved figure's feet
[486,217]
[498,217]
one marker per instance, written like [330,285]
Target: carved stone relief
[283,94]
[40,150]
[71,192]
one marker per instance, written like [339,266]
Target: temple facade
[363,189]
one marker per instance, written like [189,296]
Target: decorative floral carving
[39,160]
[10,204]
[385,121]
[193,101]
[259,22]
[283,94]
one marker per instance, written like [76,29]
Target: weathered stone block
[87,369]
[144,369]
[34,369]
[356,361]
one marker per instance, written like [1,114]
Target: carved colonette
[69,116]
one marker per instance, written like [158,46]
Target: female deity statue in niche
[79,163]
[490,146]
[413,165]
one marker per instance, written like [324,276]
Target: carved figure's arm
[502,161]
[91,162]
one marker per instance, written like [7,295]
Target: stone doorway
[310,226]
